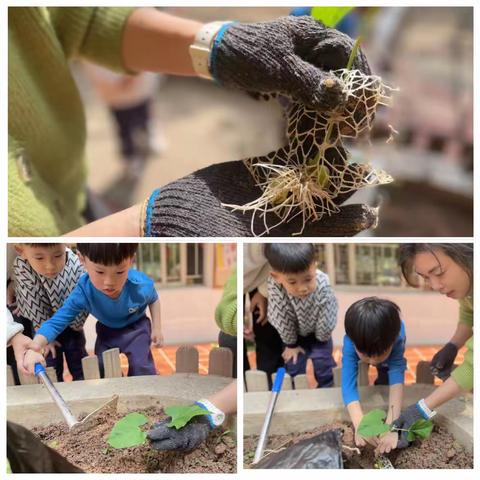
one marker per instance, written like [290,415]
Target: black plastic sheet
[319,452]
[27,454]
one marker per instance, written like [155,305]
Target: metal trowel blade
[91,419]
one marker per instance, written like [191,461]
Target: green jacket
[226,311]
[46,120]
[463,374]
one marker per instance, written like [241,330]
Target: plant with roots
[312,175]
[372,425]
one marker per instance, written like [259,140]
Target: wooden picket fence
[220,362]
[256,380]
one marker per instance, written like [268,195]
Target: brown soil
[91,452]
[439,451]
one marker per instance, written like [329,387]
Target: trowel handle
[277,384]
[39,368]
[41,373]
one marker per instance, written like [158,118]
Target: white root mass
[307,177]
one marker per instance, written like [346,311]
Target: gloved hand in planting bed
[413,413]
[188,427]
[190,436]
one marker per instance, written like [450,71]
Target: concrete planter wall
[31,405]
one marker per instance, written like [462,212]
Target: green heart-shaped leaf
[372,424]
[126,432]
[421,428]
[182,414]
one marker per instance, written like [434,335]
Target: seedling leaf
[421,428]
[330,16]
[372,424]
[126,432]
[181,414]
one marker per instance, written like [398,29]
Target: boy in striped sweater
[45,275]
[303,309]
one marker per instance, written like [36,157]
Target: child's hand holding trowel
[30,359]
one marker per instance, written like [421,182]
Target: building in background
[186,264]
[371,269]
[361,264]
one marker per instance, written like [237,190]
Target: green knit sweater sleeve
[94,33]
[226,311]
[463,374]
[26,188]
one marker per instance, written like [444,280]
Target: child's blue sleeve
[72,307]
[152,296]
[396,361]
[349,372]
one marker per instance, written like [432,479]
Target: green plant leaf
[421,428]
[126,432]
[372,424]
[330,16]
[182,414]
[353,53]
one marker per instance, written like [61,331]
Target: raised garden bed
[441,450]
[91,452]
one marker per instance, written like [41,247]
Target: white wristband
[201,48]
[423,406]
[216,416]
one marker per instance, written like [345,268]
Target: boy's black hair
[290,257]
[107,253]
[373,325]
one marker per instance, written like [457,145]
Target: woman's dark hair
[107,253]
[460,253]
[44,245]
[373,325]
[290,257]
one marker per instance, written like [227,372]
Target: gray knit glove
[406,419]
[187,438]
[192,207]
[290,55]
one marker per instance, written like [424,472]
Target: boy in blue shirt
[117,296]
[375,335]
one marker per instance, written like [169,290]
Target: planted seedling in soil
[373,424]
[439,450]
[93,453]
[181,415]
[312,175]
[126,432]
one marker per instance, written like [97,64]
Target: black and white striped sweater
[293,316]
[39,297]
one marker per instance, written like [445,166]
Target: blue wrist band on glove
[423,413]
[213,53]
[209,417]
[148,213]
